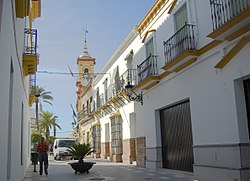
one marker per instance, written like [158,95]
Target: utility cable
[67,73]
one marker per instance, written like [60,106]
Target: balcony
[22,8]
[92,106]
[30,57]
[147,73]
[32,87]
[82,114]
[230,18]
[118,87]
[36,9]
[180,50]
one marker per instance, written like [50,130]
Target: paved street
[104,170]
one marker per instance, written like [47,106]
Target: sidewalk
[104,170]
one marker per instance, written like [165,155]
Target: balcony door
[181,17]
[145,68]
[181,38]
[105,85]
[98,100]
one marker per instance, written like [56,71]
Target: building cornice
[128,40]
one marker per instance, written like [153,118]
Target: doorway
[176,136]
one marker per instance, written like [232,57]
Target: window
[150,47]
[86,72]
[86,77]
[88,107]
[107,136]
[96,136]
[65,143]
[145,68]
[116,135]
[117,82]
[181,17]
[88,137]
[105,84]
[98,100]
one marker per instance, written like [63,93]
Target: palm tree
[41,96]
[48,121]
[55,124]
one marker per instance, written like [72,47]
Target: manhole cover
[97,179]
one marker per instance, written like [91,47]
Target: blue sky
[61,37]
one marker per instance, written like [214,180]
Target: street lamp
[132,96]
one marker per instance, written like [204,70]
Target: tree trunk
[47,133]
[54,128]
[37,121]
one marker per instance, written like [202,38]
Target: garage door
[176,134]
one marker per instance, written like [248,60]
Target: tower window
[86,72]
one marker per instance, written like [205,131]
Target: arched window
[86,73]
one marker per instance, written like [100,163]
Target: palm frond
[80,150]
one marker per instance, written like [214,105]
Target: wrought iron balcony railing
[93,106]
[120,83]
[32,84]
[224,10]
[30,41]
[82,113]
[147,68]
[181,41]
[100,101]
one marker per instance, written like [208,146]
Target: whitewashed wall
[11,49]
[211,91]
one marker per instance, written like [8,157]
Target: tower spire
[85,48]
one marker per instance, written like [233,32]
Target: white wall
[212,98]
[11,49]
[211,91]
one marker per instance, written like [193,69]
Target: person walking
[42,149]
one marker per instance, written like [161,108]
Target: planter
[82,167]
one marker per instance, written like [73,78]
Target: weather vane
[85,33]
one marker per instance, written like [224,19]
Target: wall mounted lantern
[132,96]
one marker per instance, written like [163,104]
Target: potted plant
[79,151]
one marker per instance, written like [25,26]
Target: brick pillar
[117,158]
[105,150]
[140,145]
[97,155]
[129,153]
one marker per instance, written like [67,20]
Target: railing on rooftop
[181,41]
[147,68]
[30,41]
[224,10]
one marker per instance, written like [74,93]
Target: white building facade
[18,59]
[191,65]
